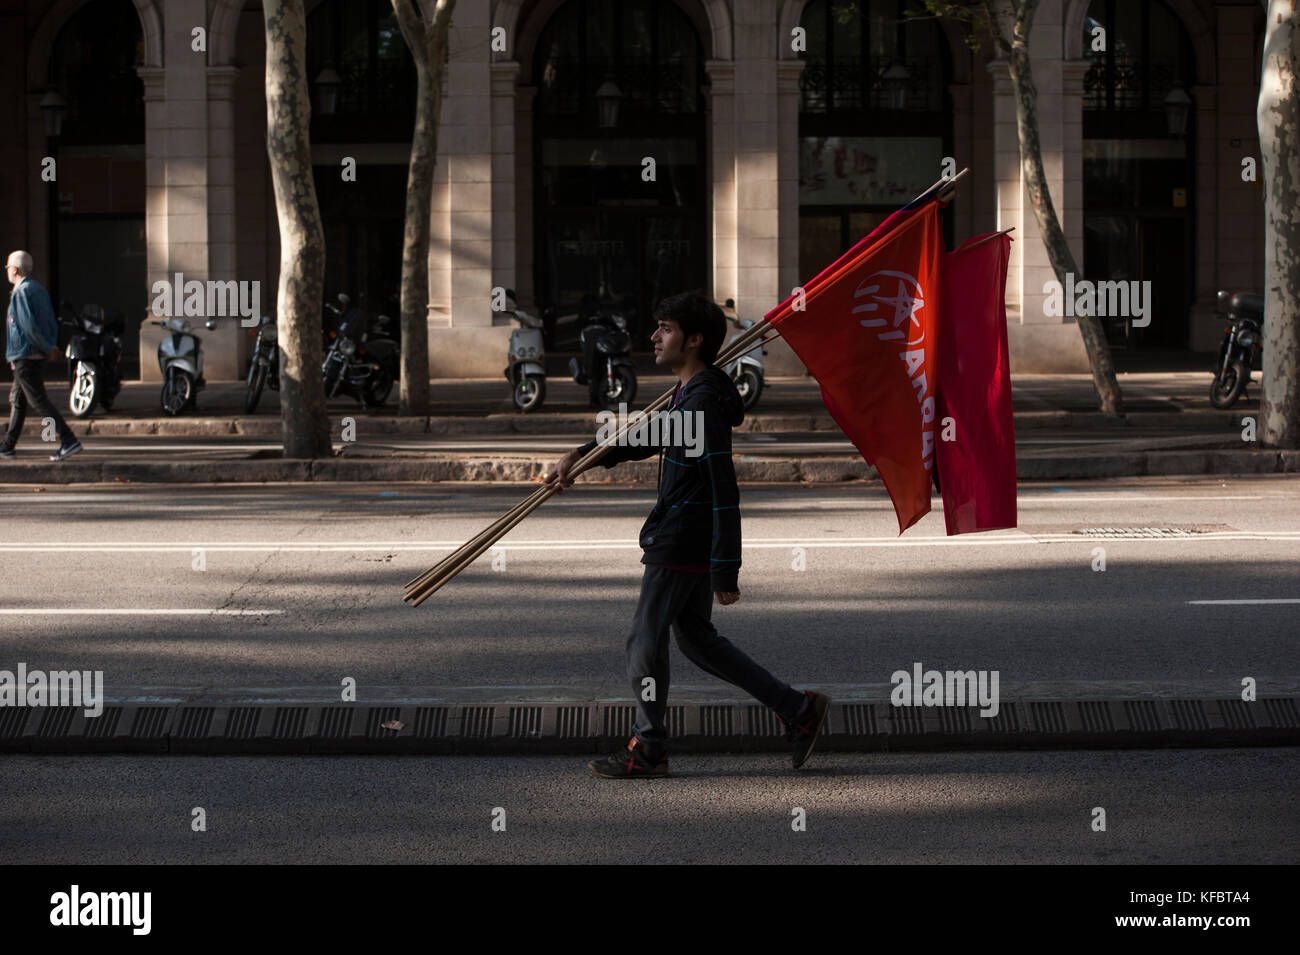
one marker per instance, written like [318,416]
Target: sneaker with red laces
[803,732]
[630,763]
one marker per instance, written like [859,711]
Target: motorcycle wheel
[376,390]
[85,390]
[623,390]
[750,387]
[256,381]
[1229,384]
[530,392]
[177,392]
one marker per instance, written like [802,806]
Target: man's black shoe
[803,732]
[630,763]
[67,451]
[7,453]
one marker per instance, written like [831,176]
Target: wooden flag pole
[488,536]
[420,588]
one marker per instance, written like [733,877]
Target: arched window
[873,120]
[374,100]
[92,66]
[618,82]
[1139,188]
[1144,54]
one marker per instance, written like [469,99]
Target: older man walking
[32,336]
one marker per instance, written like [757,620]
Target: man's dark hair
[694,312]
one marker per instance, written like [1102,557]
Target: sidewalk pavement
[1169,428]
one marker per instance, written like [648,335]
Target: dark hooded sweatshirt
[696,519]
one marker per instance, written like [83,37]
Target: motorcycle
[180,359]
[607,368]
[1241,344]
[346,367]
[526,370]
[381,345]
[264,366]
[747,370]
[93,351]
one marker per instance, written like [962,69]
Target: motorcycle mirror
[730,303]
[345,300]
[210,323]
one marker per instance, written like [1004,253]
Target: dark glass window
[93,66]
[1147,54]
[361,41]
[867,55]
[647,48]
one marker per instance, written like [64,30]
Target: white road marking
[1261,600]
[996,539]
[133,612]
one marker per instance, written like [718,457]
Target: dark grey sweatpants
[683,602]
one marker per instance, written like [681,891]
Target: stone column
[722,142]
[757,171]
[464,339]
[226,349]
[525,250]
[504,191]
[1038,342]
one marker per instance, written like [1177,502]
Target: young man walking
[692,545]
[32,336]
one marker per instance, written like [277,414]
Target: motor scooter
[526,370]
[180,359]
[93,352]
[747,370]
[606,368]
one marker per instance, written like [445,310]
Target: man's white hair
[22,261]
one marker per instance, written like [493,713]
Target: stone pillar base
[1046,349]
[477,351]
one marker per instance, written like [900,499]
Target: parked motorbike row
[606,366]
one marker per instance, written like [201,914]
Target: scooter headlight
[347,346]
[1247,339]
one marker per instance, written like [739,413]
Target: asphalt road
[1173,806]
[301,586]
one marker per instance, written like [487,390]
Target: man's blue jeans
[683,602]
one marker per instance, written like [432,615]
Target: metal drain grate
[1190,715]
[1007,720]
[476,721]
[1047,717]
[572,722]
[242,722]
[1096,716]
[430,722]
[526,721]
[1143,717]
[1138,532]
[716,721]
[859,719]
[378,716]
[762,721]
[55,722]
[12,721]
[618,721]
[290,722]
[105,724]
[1283,713]
[1237,714]
[335,722]
[195,722]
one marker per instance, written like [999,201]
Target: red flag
[869,335]
[977,469]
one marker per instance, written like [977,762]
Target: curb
[750,469]
[584,727]
[268,426]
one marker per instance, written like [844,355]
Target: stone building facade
[779,132]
